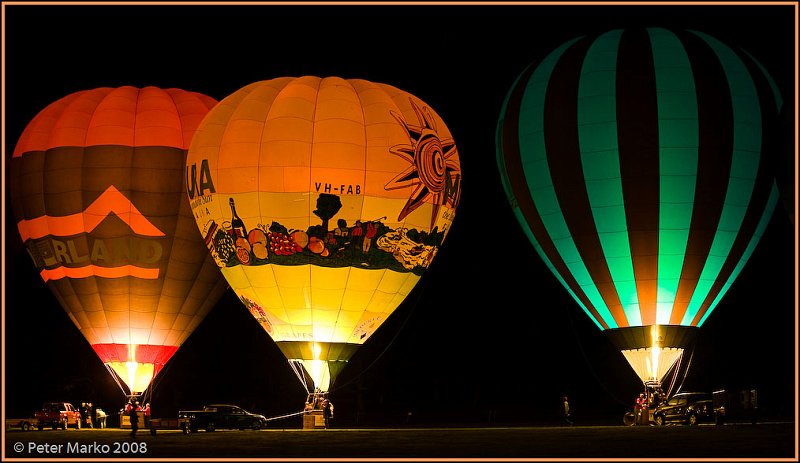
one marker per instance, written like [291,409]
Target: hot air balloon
[97,190]
[638,165]
[322,200]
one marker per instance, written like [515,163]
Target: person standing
[567,414]
[327,412]
[658,396]
[638,408]
[317,404]
[89,415]
[146,413]
[133,413]
[82,411]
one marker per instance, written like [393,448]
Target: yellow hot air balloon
[96,187]
[322,200]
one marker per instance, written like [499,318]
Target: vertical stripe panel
[516,132]
[678,138]
[597,128]
[637,115]
[507,148]
[751,245]
[744,166]
[715,122]
[502,150]
[759,208]
[776,94]
[561,197]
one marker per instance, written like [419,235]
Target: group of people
[648,400]
[319,401]
[132,409]
[87,414]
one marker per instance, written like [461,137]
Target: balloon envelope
[323,200]
[97,189]
[637,163]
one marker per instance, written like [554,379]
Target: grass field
[763,440]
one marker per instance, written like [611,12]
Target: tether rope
[675,372]
[280,417]
[686,372]
[116,378]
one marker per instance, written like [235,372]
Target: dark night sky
[488,327]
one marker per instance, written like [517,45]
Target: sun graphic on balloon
[434,171]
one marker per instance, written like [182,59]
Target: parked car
[685,407]
[58,415]
[222,416]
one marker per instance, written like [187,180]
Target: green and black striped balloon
[637,164]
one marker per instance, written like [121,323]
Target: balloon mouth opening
[315,375]
[652,351]
[132,367]
[136,375]
[655,352]
[653,364]
[318,369]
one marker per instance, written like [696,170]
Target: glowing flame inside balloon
[136,375]
[654,354]
[132,367]
[318,368]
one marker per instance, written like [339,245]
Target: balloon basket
[125,420]
[313,419]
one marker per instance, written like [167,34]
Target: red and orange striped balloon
[97,188]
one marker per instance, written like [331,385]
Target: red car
[58,415]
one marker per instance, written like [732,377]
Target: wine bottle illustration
[238,229]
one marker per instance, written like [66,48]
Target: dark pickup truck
[222,416]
